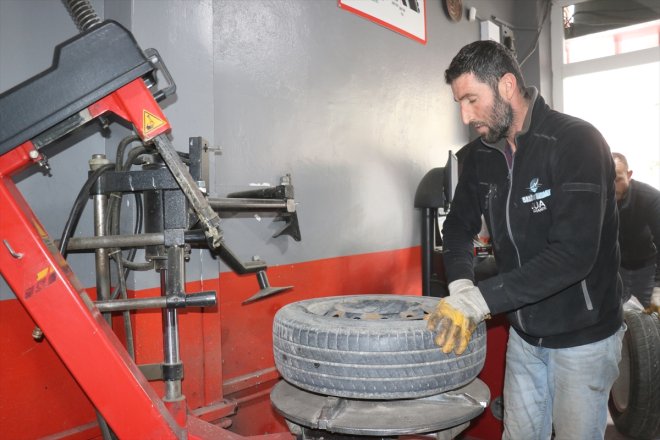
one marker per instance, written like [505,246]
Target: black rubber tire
[635,397]
[369,347]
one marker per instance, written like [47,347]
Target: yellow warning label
[150,122]
[41,275]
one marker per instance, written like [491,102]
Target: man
[544,183]
[639,236]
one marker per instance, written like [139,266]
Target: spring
[83,14]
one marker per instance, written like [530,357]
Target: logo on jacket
[538,206]
[536,196]
[534,185]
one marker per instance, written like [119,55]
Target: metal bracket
[161,371]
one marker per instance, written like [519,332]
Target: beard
[500,120]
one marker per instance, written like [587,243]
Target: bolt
[37,334]
[97,161]
[33,154]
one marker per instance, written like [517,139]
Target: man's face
[622,180]
[482,108]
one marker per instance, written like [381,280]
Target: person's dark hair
[488,61]
[621,158]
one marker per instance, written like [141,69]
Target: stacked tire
[635,397]
[369,347]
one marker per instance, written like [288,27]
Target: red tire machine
[99,72]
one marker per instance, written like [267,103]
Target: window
[606,70]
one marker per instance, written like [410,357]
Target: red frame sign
[407,17]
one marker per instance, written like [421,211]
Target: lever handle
[201,299]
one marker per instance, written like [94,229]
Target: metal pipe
[116,241]
[427,239]
[173,279]
[119,305]
[194,236]
[247,204]
[102,258]
[200,299]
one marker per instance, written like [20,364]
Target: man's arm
[653,215]
[462,224]
[652,212]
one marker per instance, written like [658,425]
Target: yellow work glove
[457,316]
[654,306]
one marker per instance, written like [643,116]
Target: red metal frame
[51,294]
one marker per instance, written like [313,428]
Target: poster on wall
[407,17]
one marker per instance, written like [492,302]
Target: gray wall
[354,112]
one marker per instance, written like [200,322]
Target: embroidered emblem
[534,186]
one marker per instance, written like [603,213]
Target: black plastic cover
[430,191]
[85,68]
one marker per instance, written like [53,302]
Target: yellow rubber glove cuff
[453,327]
[654,306]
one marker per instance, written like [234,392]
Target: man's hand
[457,316]
[654,306]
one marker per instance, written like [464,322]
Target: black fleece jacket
[553,223]
[639,228]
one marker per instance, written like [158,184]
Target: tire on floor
[369,347]
[635,397]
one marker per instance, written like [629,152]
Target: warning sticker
[150,122]
[45,277]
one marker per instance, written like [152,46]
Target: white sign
[407,17]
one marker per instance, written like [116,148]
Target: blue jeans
[565,388]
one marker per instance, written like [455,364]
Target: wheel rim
[372,309]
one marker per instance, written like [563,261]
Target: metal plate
[380,417]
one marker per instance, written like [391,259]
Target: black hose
[79,206]
[115,206]
[128,328]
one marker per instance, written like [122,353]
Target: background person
[639,236]
[544,182]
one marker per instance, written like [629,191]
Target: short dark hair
[621,158]
[488,61]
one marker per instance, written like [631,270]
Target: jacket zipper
[510,231]
[489,206]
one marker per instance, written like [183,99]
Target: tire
[635,396]
[369,347]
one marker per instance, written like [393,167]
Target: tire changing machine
[96,74]
[444,416]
